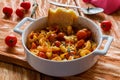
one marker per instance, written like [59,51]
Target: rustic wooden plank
[12,72]
[106,68]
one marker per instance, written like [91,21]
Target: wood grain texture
[107,67]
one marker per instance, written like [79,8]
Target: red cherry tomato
[52,37]
[81,34]
[11,40]
[20,12]
[106,25]
[7,11]
[26,5]
[42,54]
[89,33]
[80,43]
[60,36]
[57,43]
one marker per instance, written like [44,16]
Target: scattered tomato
[11,40]
[106,25]
[81,34]
[26,5]
[20,12]
[7,11]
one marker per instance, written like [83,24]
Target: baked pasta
[61,43]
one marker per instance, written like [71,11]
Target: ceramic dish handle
[106,46]
[17,27]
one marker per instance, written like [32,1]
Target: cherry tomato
[20,12]
[57,43]
[80,43]
[11,40]
[52,37]
[7,11]
[106,25]
[89,33]
[42,54]
[33,45]
[60,36]
[26,5]
[81,34]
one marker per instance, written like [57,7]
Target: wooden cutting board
[107,67]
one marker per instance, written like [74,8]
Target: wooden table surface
[13,65]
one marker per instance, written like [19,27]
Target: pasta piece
[83,52]
[57,58]
[32,37]
[63,48]
[87,45]
[63,55]
[55,49]
[71,58]
[34,51]
[69,30]
[42,48]
[49,54]
[94,45]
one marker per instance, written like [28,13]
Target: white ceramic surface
[67,68]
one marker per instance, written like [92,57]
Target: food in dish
[60,40]
[61,43]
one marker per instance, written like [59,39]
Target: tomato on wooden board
[11,40]
[7,11]
[106,25]
[26,5]
[20,12]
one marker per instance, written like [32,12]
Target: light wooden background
[107,67]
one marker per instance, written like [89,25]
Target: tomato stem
[104,26]
[11,40]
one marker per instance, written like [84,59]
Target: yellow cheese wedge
[61,16]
